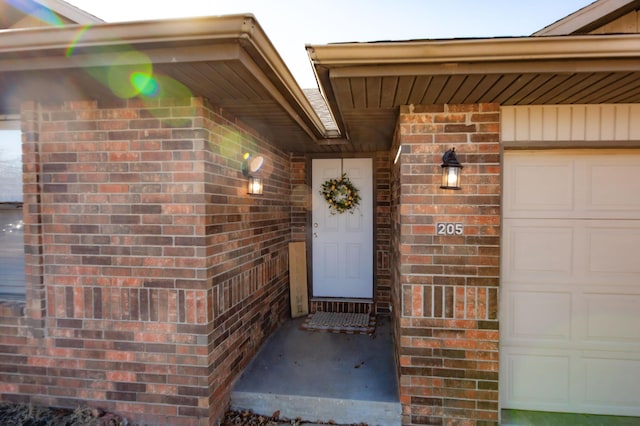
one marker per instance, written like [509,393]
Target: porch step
[321,376]
[341,411]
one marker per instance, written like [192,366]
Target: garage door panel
[543,185]
[572,183]
[536,379]
[539,249]
[614,249]
[613,317]
[553,311]
[611,182]
[612,382]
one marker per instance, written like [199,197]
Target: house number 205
[449,229]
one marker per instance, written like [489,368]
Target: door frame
[309,218]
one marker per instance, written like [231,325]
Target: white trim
[7,123]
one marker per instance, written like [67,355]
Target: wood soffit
[366,83]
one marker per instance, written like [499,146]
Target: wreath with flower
[340,194]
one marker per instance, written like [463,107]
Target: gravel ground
[247,418]
[31,415]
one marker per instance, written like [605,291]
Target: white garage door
[570,290]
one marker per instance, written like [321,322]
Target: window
[12,285]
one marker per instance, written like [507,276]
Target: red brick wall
[446,287]
[382,211]
[152,276]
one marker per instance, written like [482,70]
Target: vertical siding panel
[593,123]
[535,123]
[508,123]
[621,123]
[578,123]
[607,122]
[610,122]
[634,122]
[550,123]
[565,122]
[522,124]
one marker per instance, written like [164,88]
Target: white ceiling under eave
[366,83]
[228,60]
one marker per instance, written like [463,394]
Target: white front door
[343,243]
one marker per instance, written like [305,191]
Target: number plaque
[449,228]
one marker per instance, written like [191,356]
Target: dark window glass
[11,251]
[12,284]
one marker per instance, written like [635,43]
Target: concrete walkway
[321,376]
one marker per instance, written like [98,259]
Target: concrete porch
[323,376]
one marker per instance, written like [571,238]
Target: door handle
[315,235]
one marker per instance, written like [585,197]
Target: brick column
[32,216]
[447,285]
[382,232]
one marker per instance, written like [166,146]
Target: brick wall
[382,176]
[446,287]
[152,277]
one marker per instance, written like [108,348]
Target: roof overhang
[228,60]
[365,83]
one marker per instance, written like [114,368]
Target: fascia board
[527,49]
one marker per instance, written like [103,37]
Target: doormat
[340,322]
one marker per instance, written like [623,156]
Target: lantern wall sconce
[252,165]
[451,170]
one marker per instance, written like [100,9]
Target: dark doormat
[340,322]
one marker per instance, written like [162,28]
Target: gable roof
[37,13]
[591,17]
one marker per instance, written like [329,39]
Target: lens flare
[76,38]
[37,11]
[168,88]
[123,77]
[145,84]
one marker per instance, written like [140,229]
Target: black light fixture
[254,186]
[451,170]
[251,165]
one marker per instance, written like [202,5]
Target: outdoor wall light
[252,165]
[451,170]
[255,186]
